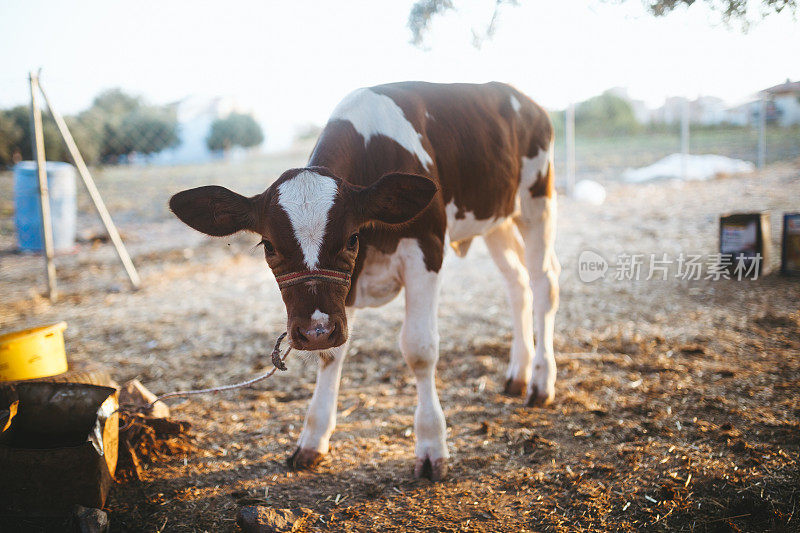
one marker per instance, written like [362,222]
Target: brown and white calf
[398,171]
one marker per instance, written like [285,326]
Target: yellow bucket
[33,353]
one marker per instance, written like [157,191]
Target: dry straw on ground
[677,402]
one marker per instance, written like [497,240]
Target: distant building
[782,104]
[671,112]
[786,103]
[782,107]
[742,114]
[705,110]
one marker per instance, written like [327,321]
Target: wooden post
[685,140]
[83,170]
[570,144]
[37,138]
[762,131]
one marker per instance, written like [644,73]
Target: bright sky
[291,62]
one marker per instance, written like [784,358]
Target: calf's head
[308,221]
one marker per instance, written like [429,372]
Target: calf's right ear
[214,210]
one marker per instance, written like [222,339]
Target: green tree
[88,143]
[115,124]
[732,11]
[605,114]
[120,124]
[116,103]
[237,129]
[19,123]
[10,135]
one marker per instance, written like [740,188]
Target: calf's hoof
[514,387]
[435,470]
[538,399]
[304,459]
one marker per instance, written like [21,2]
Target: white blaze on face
[372,114]
[515,103]
[307,198]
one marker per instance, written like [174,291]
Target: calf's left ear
[395,198]
[214,210]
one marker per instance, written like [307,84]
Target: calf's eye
[268,248]
[352,242]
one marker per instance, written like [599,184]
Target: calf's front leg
[419,342]
[320,421]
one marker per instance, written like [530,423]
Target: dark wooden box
[747,234]
[790,244]
[58,448]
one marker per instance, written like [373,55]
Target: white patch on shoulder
[372,114]
[307,198]
[320,317]
[515,103]
[533,167]
[459,229]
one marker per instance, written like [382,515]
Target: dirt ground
[677,408]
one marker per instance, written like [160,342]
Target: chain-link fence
[607,158]
[140,154]
[606,137]
[611,134]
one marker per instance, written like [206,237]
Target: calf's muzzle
[305,294]
[317,335]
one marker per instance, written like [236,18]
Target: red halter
[331,276]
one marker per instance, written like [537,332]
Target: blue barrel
[28,209]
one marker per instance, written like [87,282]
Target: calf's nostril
[298,333]
[317,332]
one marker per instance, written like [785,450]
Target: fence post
[37,138]
[105,216]
[685,140]
[762,131]
[570,145]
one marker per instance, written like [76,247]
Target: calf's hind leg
[537,224]
[506,248]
